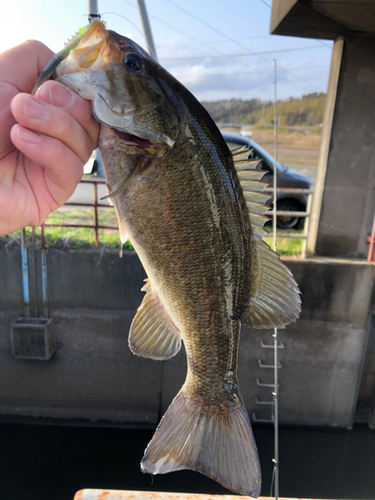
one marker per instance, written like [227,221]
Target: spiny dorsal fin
[274,299]
[152,332]
[252,187]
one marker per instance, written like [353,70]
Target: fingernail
[27,135]
[34,109]
[61,96]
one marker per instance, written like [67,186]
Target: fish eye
[132,61]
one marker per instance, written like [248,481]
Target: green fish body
[194,213]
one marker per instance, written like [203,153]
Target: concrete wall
[94,376]
[348,204]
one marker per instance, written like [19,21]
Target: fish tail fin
[215,440]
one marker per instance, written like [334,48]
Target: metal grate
[32,338]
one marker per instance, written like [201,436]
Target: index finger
[20,66]
[19,70]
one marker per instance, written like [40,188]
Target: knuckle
[34,45]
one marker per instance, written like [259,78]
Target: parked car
[286,178]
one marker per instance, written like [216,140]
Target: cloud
[215,79]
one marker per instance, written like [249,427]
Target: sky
[216,48]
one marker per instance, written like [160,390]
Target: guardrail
[96,226]
[290,213]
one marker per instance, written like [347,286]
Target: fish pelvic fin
[216,441]
[152,332]
[274,296]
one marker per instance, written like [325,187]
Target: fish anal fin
[215,441]
[275,297]
[152,332]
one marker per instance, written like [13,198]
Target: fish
[194,213]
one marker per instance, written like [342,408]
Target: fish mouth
[122,124]
[133,139]
[124,113]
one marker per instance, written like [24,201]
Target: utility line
[231,39]
[241,55]
[209,26]
[177,30]
[250,72]
[206,45]
[214,41]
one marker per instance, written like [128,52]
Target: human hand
[44,140]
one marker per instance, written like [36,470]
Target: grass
[76,238]
[73,238]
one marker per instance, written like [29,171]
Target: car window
[253,155]
[262,165]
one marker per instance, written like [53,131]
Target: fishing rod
[92,10]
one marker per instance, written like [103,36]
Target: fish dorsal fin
[152,332]
[252,188]
[274,297]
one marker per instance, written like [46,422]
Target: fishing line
[275,476]
[139,31]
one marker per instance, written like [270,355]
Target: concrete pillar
[346,176]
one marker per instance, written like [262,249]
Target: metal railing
[289,213]
[96,226]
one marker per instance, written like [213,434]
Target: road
[84,193]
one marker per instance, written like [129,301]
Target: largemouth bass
[194,213]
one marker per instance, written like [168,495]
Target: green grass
[73,238]
[285,246]
[76,238]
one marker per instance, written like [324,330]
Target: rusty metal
[371,240]
[95,205]
[289,190]
[305,214]
[95,194]
[96,226]
[33,338]
[291,235]
[90,494]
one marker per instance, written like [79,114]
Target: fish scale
[197,228]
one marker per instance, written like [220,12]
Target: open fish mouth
[133,139]
[124,124]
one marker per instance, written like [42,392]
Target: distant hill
[306,111]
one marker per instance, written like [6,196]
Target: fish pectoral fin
[152,332]
[275,296]
[124,236]
[214,440]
